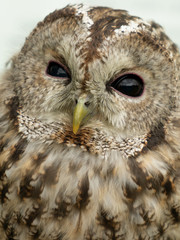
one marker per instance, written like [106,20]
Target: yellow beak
[81,111]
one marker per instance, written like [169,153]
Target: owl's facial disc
[81,112]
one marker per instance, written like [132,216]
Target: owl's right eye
[54,69]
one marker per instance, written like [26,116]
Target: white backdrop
[19,17]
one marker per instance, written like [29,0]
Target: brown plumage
[90,129]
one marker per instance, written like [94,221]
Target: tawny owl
[90,130]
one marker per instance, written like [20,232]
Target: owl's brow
[58,57]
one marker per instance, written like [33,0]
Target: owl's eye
[129,84]
[56,70]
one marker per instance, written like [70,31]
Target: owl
[90,130]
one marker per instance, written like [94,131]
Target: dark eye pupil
[56,70]
[129,84]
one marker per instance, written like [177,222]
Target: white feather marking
[83,10]
[132,27]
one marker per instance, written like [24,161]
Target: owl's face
[97,67]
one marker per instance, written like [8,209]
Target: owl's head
[97,67]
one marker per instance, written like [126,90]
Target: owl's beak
[81,111]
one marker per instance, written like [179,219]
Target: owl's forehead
[87,30]
[91,27]
[106,20]
[102,20]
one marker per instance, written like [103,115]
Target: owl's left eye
[129,84]
[56,70]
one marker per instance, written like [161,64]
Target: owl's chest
[61,192]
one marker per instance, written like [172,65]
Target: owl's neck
[93,140]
